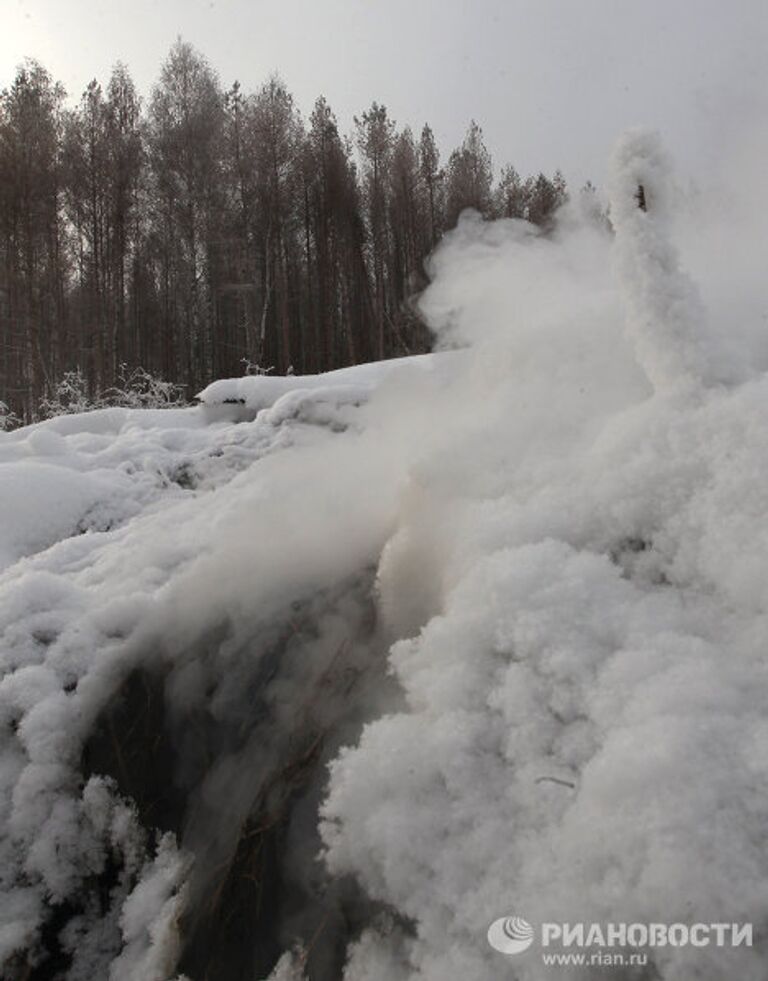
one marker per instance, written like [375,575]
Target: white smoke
[666,318]
[584,694]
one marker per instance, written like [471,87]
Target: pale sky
[552,82]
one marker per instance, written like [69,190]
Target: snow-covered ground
[555,542]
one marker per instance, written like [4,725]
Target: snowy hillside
[322,676]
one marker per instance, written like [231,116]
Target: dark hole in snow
[132,744]
[51,961]
[259,735]
[234,934]
[185,476]
[96,520]
[269,892]
[624,554]
[44,637]
[637,558]
[256,906]
[633,544]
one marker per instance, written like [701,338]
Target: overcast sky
[552,82]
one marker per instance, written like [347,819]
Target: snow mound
[113,521]
[241,399]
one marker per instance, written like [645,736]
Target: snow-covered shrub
[8,419]
[253,368]
[136,388]
[69,395]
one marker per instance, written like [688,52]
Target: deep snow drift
[330,689]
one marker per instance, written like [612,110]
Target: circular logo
[510,935]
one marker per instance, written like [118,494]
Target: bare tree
[470,175]
[184,132]
[31,236]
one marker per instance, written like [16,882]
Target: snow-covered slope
[484,633]
[126,537]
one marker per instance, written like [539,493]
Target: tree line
[205,232]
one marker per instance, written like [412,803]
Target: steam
[666,318]
[583,683]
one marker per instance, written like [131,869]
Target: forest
[204,233]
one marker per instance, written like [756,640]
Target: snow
[564,523]
[240,399]
[78,473]
[43,504]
